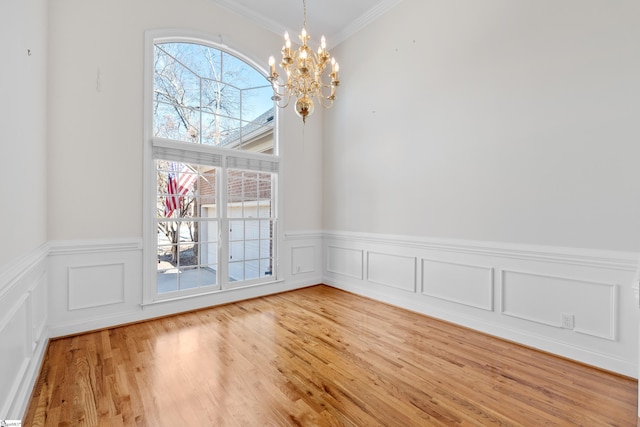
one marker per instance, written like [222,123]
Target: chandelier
[305,71]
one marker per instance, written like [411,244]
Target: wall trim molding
[72,247]
[262,21]
[74,285]
[303,235]
[357,273]
[491,283]
[616,260]
[413,273]
[20,267]
[365,19]
[612,332]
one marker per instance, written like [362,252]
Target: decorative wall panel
[545,299]
[392,270]
[39,312]
[345,261]
[14,335]
[96,285]
[461,283]
[303,259]
[23,330]
[577,303]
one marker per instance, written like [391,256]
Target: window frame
[223,158]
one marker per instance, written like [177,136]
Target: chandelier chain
[304,8]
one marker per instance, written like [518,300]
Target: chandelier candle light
[305,69]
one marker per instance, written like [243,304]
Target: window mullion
[200,112]
[241,120]
[223,230]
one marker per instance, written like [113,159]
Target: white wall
[23,209]
[490,120]
[96,112]
[23,185]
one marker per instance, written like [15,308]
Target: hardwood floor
[316,356]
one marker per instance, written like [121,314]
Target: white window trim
[252,160]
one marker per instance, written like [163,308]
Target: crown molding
[261,20]
[365,19]
[278,28]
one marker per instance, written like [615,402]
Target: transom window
[215,171]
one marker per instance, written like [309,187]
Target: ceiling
[335,19]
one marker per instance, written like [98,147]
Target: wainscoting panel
[577,303]
[345,261]
[96,285]
[39,312]
[23,330]
[461,283]
[303,259]
[544,299]
[92,281]
[14,341]
[392,270]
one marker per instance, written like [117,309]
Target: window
[212,166]
[208,96]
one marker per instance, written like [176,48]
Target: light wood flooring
[316,356]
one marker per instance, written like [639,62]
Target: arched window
[211,147]
[208,96]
